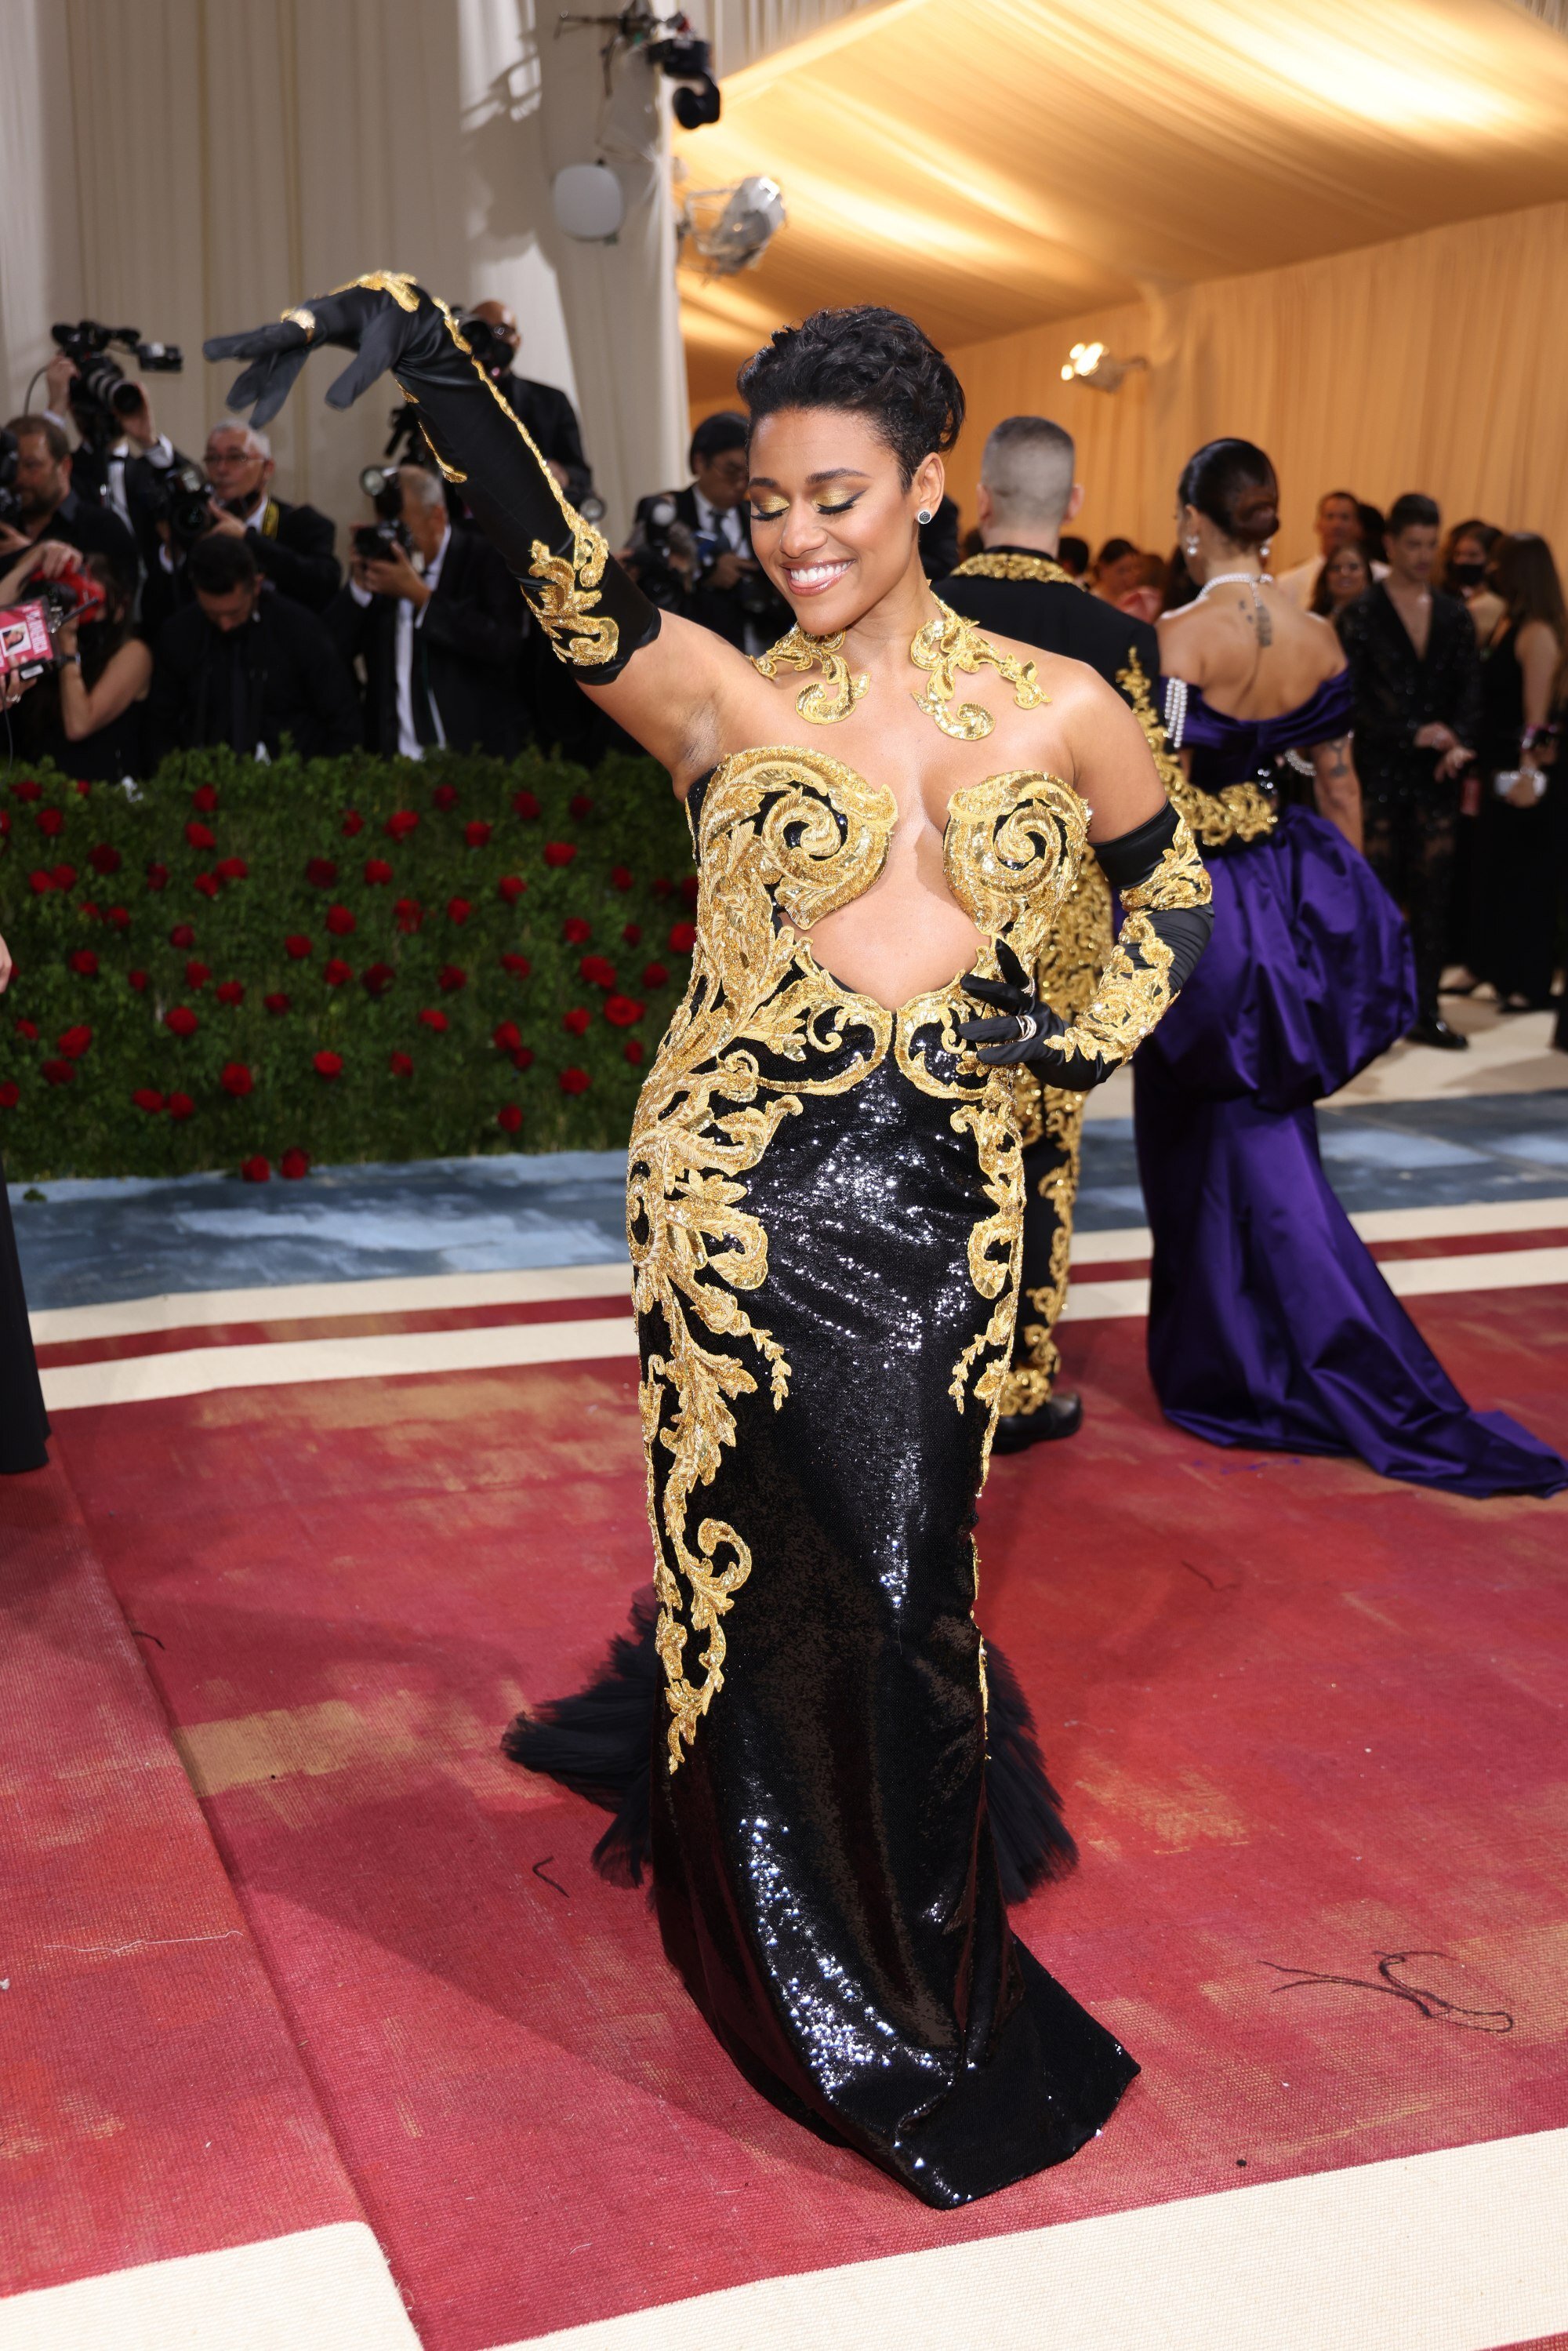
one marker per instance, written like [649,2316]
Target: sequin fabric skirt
[817,1427]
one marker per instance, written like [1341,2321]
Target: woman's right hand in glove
[384,320]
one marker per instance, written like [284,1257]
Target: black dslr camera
[101,397]
[373,541]
[185,502]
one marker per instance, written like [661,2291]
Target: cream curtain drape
[1433,362]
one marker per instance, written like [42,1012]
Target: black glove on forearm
[1166,894]
[595,617]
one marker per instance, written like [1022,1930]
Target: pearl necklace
[1254,579]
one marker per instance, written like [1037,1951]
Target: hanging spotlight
[732,228]
[1095,364]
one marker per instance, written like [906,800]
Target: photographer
[719,582]
[546,411]
[435,616]
[87,716]
[50,507]
[246,666]
[293,544]
[127,475]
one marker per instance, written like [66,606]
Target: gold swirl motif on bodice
[786,836]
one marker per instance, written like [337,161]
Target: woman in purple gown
[1269,1325]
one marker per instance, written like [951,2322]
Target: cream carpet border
[319,2290]
[1460,2251]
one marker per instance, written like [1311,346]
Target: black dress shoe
[1059,1416]
[1436,1031]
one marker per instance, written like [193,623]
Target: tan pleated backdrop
[1434,363]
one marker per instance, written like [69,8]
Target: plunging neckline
[875,791]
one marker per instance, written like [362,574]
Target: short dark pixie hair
[1412,512]
[725,429]
[875,364]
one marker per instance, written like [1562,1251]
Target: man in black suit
[246,666]
[712,576]
[437,623]
[547,411]
[1016,587]
[50,507]
[293,544]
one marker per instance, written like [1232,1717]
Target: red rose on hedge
[119,918]
[517,965]
[560,852]
[511,887]
[527,807]
[380,977]
[663,886]
[232,868]
[298,945]
[445,796]
[452,976]
[28,790]
[377,869]
[458,910]
[523,1058]
[624,1011]
[199,836]
[507,1036]
[180,1106]
[204,799]
[477,833]
[276,1002]
[256,1171]
[575,931]
[409,914]
[634,1051]
[320,873]
[197,974]
[654,975]
[208,885]
[88,909]
[328,1065]
[105,860]
[401,823]
[58,1073]
[294,1164]
[576,1022]
[632,934]
[10,1095]
[181,935]
[575,1081]
[230,991]
[621,877]
[137,980]
[683,938]
[149,1098]
[237,1078]
[597,971]
[337,973]
[431,1018]
[85,962]
[353,822]
[41,882]
[401,1064]
[340,922]
[28,1029]
[74,1042]
[582,805]
[157,877]
[63,877]
[508,1118]
[182,1020]
[50,821]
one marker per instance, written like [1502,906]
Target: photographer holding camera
[434,615]
[691,548]
[293,544]
[125,474]
[246,666]
[47,506]
[88,714]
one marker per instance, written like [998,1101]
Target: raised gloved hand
[384,320]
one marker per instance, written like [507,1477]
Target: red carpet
[1304,1720]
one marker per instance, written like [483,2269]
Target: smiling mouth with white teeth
[810,578]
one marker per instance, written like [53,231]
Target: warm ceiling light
[1096,365]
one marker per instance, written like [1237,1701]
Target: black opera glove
[1166,897]
[595,618]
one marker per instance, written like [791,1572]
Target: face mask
[1467,575]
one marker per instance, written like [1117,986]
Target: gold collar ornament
[836,692]
[950,643]
[1012,563]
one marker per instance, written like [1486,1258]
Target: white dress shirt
[408,619]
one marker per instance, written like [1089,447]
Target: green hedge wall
[254,967]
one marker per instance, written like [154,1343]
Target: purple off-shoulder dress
[1269,1325]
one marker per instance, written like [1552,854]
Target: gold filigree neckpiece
[950,643]
[835,694]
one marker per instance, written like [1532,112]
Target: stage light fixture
[1095,364]
[588,202]
[732,228]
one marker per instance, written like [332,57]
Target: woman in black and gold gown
[824,1210]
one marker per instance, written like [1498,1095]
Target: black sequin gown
[825,1214]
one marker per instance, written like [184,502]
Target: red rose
[149,1098]
[624,1011]
[621,877]
[199,836]
[90,910]
[575,931]
[276,1003]
[256,1171]
[157,877]
[204,799]
[452,976]
[28,790]
[445,796]
[137,980]
[477,833]
[523,1058]
[689,889]
[401,823]
[353,822]
[50,821]
[634,1050]
[431,1018]
[119,918]
[560,852]
[197,974]
[507,1036]
[63,877]
[181,935]
[208,885]
[582,805]
[230,991]
[180,1106]
[575,1081]
[85,962]
[237,1078]
[340,922]
[663,886]
[328,1065]
[576,1022]
[517,965]
[654,975]
[379,979]
[597,971]
[377,869]
[294,1164]
[105,860]
[511,887]
[74,1042]
[58,1073]
[182,1020]
[632,934]
[10,1095]
[458,910]
[320,873]
[527,807]
[508,1118]
[401,1064]
[683,938]
[41,882]
[27,1028]
[297,947]
[408,914]
[232,868]
[4,823]
[337,973]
